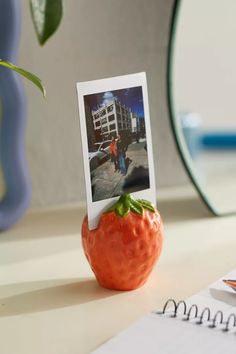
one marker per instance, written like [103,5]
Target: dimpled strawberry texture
[123,251]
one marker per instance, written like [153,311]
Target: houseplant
[46,15]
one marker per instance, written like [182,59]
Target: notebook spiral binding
[205,315]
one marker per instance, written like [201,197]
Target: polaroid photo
[116,141]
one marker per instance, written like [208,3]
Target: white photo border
[95,209]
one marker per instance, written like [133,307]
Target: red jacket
[113,148]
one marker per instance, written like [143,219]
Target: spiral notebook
[203,324]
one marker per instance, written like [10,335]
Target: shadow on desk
[183,209]
[48,223]
[51,294]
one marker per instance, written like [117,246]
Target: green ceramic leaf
[25,73]
[46,15]
[136,207]
[127,203]
[146,205]
[122,210]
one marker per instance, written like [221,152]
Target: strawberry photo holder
[126,244]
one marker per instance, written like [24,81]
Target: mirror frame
[175,126]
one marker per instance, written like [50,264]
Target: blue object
[122,164]
[218,140]
[13,120]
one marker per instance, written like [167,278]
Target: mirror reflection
[204,86]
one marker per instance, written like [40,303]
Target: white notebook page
[154,333]
[217,296]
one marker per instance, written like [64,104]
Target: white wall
[96,39]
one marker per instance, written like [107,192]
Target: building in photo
[114,118]
[134,122]
[89,127]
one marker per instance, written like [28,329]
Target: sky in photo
[130,97]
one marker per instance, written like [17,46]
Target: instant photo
[116,140]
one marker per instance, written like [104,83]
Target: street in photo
[117,147]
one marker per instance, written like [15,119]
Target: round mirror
[202,86]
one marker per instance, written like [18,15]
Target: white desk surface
[50,302]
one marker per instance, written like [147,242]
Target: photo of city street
[116,133]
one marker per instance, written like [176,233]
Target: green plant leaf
[33,78]
[46,15]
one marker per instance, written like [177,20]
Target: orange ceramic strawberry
[126,244]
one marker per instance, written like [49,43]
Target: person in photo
[121,149]
[113,153]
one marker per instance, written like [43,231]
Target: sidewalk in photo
[108,183]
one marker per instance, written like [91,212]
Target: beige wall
[97,39]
